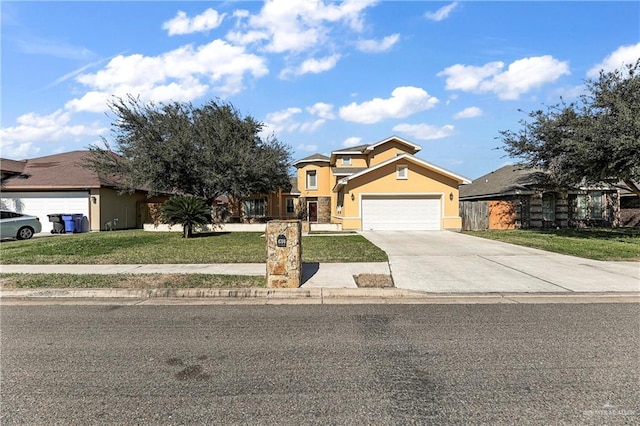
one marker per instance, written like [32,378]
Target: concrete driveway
[443,262]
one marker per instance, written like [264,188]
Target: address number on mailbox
[281,241]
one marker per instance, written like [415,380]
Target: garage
[401,213]
[42,204]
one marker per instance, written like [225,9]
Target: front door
[312,208]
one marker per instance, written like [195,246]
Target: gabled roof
[403,157]
[411,145]
[359,149]
[58,171]
[507,180]
[315,158]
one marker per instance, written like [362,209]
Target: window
[548,207]
[346,161]
[401,172]
[595,205]
[589,206]
[312,182]
[253,207]
[291,208]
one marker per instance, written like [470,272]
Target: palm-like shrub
[188,211]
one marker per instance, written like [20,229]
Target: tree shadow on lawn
[594,233]
[209,234]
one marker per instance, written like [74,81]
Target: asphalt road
[330,364]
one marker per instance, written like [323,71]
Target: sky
[320,75]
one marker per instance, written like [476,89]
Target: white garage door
[42,204]
[401,214]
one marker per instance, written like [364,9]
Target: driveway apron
[443,262]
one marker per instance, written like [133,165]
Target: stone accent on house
[284,257]
[324,209]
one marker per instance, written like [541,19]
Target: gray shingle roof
[311,158]
[346,170]
[505,180]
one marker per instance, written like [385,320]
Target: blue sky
[321,75]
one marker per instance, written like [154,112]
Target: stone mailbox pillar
[284,253]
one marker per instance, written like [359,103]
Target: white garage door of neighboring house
[401,213]
[42,204]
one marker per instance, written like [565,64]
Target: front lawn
[134,281]
[140,247]
[598,244]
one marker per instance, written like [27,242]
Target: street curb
[317,296]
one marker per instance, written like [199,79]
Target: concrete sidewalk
[315,275]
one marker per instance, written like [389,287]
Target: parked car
[19,226]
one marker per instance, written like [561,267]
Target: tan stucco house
[382,186]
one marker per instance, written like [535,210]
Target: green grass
[136,281]
[139,247]
[621,244]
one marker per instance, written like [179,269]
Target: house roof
[313,159]
[411,145]
[404,157]
[12,166]
[58,171]
[507,180]
[294,186]
[345,171]
[359,149]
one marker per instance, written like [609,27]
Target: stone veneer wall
[284,264]
[324,209]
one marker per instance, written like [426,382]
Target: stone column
[284,253]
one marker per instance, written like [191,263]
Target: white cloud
[375,46]
[312,66]
[183,74]
[311,126]
[31,128]
[623,55]
[520,77]
[470,112]
[403,102]
[298,25]
[322,110]
[309,147]
[442,13]
[352,141]
[182,24]
[425,132]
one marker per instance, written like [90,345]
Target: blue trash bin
[69,223]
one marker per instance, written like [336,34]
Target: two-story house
[382,186]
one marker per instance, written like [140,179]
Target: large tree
[594,139]
[204,151]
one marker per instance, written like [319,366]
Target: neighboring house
[59,184]
[629,206]
[519,197]
[381,186]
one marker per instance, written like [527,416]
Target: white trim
[347,152]
[402,176]
[316,160]
[308,209]
[409,157]
[306,183]
[415,147]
